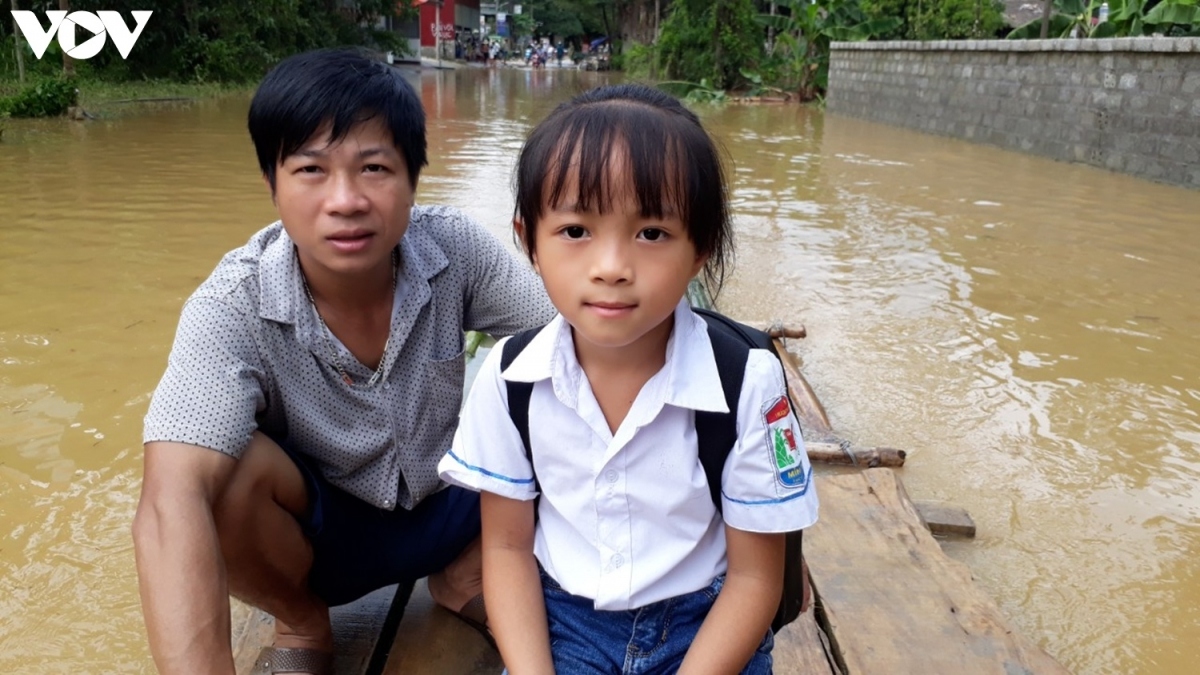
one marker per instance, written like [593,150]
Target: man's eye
[309,169]
[374,168]
[574,232]
[653,234]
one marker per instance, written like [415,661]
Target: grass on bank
[103,98]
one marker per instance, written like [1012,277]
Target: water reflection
[1028,329]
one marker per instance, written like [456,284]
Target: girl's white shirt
[627,519]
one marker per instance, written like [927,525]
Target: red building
[444,20]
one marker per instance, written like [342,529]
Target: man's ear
[519,234]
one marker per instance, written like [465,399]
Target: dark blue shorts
[358,548]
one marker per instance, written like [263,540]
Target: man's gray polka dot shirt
[249,354]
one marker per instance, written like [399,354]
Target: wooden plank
[432,640]
[357,629]
[813,419]
[945,519]
[801,648]
[893,601]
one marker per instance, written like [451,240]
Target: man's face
[345,205]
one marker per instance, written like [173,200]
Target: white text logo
[108,24]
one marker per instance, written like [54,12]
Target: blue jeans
[650,640]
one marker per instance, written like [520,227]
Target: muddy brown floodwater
[1029,330]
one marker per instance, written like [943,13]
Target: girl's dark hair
[671,159]
[341,88]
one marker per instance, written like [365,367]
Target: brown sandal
[272,660]
[474,614]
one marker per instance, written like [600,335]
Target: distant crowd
[495,52]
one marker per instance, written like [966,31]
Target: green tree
[938,19]
[1126,18]
[711,41]
[570,20]
[230,40]
[804,33]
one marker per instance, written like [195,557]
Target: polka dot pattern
[249,354]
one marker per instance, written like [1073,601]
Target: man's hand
[181,574]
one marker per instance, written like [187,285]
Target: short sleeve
[504,295]
[211,391]
[767,484]
[487,453]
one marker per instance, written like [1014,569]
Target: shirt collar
[281,286]
[692,378]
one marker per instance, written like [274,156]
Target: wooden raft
[891,600]
[361,631]
[888,600]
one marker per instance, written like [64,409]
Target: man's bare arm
[181,573]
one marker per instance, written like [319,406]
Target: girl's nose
[612,263]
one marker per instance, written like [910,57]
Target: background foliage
[214,40]
[939,19]
[1126,18]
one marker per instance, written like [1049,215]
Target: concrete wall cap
[1135,44]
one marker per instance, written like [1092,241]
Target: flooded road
[1028,330]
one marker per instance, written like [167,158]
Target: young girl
[626,566]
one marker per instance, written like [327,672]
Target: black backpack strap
[716,433]
[519,392]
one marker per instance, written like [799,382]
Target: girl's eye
[653,234]
[574,232]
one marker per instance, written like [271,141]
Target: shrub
[46,98]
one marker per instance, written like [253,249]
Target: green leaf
[1172,11]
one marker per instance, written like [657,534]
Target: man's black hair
[334,89]
[672,162]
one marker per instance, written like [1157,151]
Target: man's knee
[265,479]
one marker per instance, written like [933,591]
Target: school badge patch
[789,467]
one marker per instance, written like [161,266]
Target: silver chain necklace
[328,334]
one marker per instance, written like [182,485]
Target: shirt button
[617,560]
[387,503]
[611,475]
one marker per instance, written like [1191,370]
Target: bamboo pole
[847,455]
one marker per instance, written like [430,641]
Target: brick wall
[1126,104]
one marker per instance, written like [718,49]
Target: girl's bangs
[632,153]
